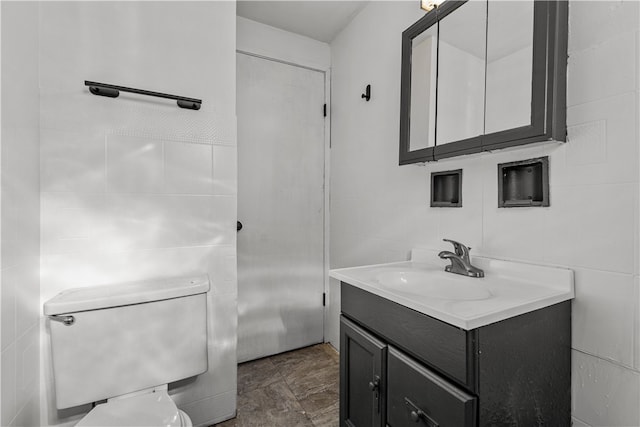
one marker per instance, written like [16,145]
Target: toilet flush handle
[67,320]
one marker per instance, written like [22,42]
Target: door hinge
[324,110]
[324,299]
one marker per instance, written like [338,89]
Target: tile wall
[19,216]
[379,211]
[134,187]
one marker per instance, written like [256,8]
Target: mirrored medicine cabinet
[483,75]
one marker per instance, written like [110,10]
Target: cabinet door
[419,397]
[362,377]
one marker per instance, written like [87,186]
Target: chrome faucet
[460,263]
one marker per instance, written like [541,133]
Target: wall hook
[367,94]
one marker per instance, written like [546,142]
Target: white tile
[134,165]
[462,225]
[221,375]
[160,221]
[27,293]
[72,161]
[223,322]
[29,415]
[72,222]
[606,70]
[64,271]
[422,225]
[602,146]
[515,233]
[224,222]
[20,65]
[577,423]
[592,22]
[75,108]
[225,170]
[20,231]
[604,394]
[66,230]
[220,378]
[590,226]
[8,356]
[383,221]
[20,190]
[589,143]
[71,58]
[223,275]
[637,324]
[636,233]
[188,168]
[27,366]
[8,311]
[604,315]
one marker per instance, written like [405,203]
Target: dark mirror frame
[548,86]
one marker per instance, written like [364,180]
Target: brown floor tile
[294,389]
[305,359]
[257,374]
[332,352]
[271,405]
[305,383]
[329,417]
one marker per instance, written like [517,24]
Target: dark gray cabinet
[399,367]
[362,367]
[483,75]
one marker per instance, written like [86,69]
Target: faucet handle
[460,249]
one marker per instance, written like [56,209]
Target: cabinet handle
[418,414]
[374,386]
[415,416]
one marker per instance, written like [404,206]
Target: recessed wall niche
[446,189]
[524,183]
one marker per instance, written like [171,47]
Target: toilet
[124,344]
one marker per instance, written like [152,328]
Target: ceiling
[319,20]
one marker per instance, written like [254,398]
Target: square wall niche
[446,189]
[524,183]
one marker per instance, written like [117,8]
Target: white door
[281,206]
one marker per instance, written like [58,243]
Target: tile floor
[297,388]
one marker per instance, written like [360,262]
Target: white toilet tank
[127,337]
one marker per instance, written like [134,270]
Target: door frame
[327,176]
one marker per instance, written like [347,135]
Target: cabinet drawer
[442,346]
[416,396]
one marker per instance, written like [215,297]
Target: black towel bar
[112,91]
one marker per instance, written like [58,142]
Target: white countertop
[507,290]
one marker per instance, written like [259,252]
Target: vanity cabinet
[399,367]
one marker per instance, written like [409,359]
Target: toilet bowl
[125,343]
[150,409]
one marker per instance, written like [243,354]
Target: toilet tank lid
[105,296]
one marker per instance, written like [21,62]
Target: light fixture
[429,5]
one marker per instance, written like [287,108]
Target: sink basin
[433,285]
[508,289]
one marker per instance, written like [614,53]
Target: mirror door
[509,65]
[461,78]
[424,62]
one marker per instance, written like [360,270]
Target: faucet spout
[460,262]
